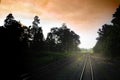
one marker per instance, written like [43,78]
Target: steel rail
[87,61]
[83,70]
[91,68]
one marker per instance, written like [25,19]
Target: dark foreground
[71,69]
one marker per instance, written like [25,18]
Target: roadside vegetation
[45,58]
[22,46]
[108,41]
[83,50]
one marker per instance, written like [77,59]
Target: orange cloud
[83,15]
[77,12]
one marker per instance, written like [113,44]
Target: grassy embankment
[44,58]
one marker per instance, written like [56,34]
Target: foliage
[58,39]
[62,39]
[109,37]
[17,41]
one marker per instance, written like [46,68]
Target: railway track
[86,74]
[87,64]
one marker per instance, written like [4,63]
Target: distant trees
[12,32]
[11,46]
[35,25]
[62,39]
[17,40]
[58,39]
[37,33]
[109,37]
[38,40]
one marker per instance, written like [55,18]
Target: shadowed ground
[71,69]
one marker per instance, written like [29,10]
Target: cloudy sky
[82,16]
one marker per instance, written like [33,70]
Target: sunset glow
[82,16]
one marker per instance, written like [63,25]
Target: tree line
[58,39]
[108,41]
[18,41]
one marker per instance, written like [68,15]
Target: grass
[87,50]
[43,58]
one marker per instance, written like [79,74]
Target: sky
[84,17]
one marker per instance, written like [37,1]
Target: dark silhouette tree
[9,19]
[11,46]
[18,41]
[102,45]
[13,31]
[26,37]
[37,37]
[115,45]
[35,25]
[50,40]
[63,39]
[109,37]
[38,41]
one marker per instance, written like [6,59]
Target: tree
[26,37]
[115,45]
[51,40]
[63,39]
[38,40]
[104,39]
[35,25]
[109,37]
[11,46]
[18,41]
[116,17]
[9,19]
[13,31]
